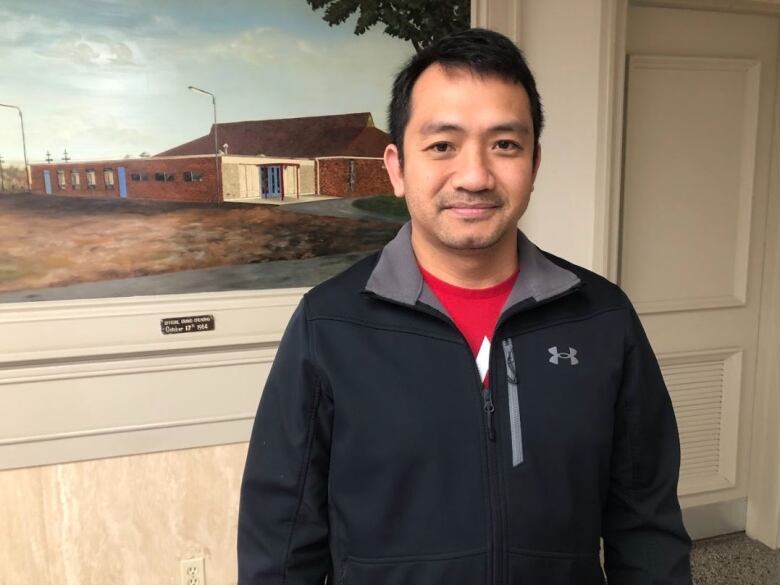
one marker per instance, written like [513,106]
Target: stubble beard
[466,242]
[454,238]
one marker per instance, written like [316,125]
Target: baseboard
[715,519]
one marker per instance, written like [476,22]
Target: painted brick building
[343,176]
[339,155]
[191,178]
[346,149]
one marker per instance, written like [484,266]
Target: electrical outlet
[192,572]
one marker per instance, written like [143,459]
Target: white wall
[562,42]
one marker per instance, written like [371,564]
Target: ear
[537,162]
[394,169]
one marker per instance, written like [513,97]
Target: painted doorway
[47,182]
[122,182]
[699,107]
[271,181]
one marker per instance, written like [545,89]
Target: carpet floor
[734,559]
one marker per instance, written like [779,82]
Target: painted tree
[419,21]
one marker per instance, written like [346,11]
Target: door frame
[278,182]
[760,515]
[763,510]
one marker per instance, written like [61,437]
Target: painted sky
[108,78]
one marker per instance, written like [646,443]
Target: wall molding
[244,416]
[39,332]
[609,156]
[746,73]
[710,520]
[130,364]
[88,409]
[762,7]
[124,442]
[692,304]
[503,16]
[763,509]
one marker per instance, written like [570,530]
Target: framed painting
[165,148]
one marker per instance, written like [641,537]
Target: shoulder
[341,293]
[600,292]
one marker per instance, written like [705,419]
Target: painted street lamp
[24,142]
[216,142]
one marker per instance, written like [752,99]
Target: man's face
[468,166]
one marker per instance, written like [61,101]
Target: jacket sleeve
[645,541]
[283,510]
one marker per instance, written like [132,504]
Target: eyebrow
[449,127]
[440,127]
[518,127]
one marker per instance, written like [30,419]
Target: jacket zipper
[491,448]
[513,400]
[488,407]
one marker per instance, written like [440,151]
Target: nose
[472,171]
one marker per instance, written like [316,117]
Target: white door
[699,115]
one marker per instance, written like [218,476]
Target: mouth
[478,210]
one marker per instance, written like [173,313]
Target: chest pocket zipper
[515,424]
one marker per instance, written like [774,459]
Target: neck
[469,268]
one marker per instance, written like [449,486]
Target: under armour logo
[571,356]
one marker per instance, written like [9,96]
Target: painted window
[75,180]
[352,176]
[61,180]
[192,177]
[90,178]
[108,178]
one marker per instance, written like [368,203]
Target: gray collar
[397,277]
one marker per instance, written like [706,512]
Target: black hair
[484,52]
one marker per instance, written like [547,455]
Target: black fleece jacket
[377,458]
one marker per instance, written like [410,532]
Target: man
[462,408]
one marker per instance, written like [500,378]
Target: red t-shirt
[475,311]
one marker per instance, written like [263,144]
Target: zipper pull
[489,409]
[509,358]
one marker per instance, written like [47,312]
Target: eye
[508,145]
[440,147]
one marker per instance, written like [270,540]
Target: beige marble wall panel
[24,547]
[128,520]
